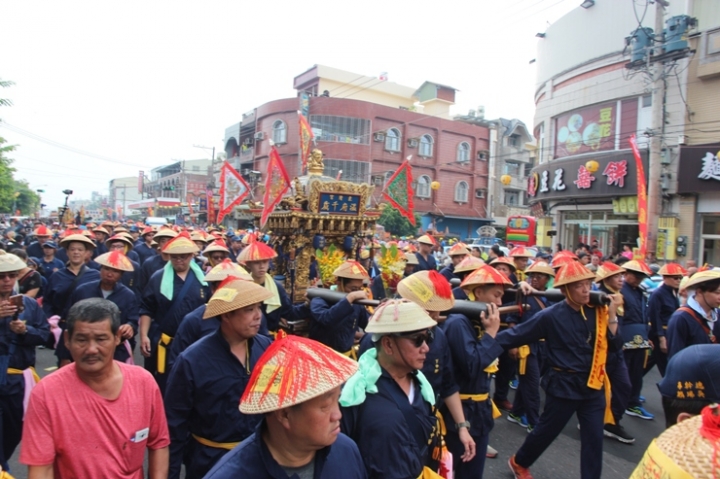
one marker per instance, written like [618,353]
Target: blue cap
[50,244]
[693,373]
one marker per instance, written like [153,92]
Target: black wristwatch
[465,424]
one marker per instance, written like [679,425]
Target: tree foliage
[13,192]
[396,224]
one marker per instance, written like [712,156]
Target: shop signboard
[699,168]
[588,176]
[587,130]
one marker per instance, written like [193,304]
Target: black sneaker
[616,431]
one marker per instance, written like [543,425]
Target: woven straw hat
[234,293]
[485,275]
[429,289]
[147,230]
[9,262]
[540,267]
[572,272]
[471,263]
[165,233]
[76,238]
[702,277]
[399,316]
[256,251]
[227,268]
[291,371]
[42,231]
[503,260]
[521,252]
[351,270]
[115,260]
[638,267]
[686,448]
[411,259]
[672,269]
[197,236]
[120,229]
[119,238]
[217,245]
[426,239]
[100,229]
[181,244]
[562,258]
[606,270]
[458,249]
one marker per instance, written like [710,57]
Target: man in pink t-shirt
[95,417]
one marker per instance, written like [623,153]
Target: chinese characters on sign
[588,130]
[558,184]
[710,167]
[339,204]
[616,172]
[585,178]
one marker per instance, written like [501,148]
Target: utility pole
[654,193]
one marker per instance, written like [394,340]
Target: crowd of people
[399,381]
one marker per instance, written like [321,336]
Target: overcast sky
[103,90]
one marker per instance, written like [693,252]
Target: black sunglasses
[9,275]
[419,338]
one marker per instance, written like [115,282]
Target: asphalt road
[560,461]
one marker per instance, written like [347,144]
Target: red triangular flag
[233,189]
[306,139]
[277,183]
[399,192]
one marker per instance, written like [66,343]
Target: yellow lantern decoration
[435,185]
[592,166]
[505,179]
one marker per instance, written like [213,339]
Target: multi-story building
[699,171]
[366,127]
[123,192]
[589,102]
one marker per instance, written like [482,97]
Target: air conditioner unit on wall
[259,136]
[379,137]
[412,142]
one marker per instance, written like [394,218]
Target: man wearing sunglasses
[662,304]
[387,404]
[20,332]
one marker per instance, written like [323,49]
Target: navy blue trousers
[527,396]
[558,411]
[635,360]
[11,416]
[507,368]
[472,469]
[620,384]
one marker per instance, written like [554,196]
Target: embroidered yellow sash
[598,378]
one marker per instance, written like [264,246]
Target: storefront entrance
[710,240]
[610,230]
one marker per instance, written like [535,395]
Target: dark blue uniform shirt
[662,304]
[384,437]
[49,266]
[449,272]
[459,293]
[286,309]
[56,300]
[126,302]
[203,390]
[425,264]
[335,326]
[633,321]
[144,251]
[252,459]
[684,330]
[569,346]
[38,332]
[148,268]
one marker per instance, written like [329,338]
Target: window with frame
[514,140]
[512,197]
[461,192]
[423,187]
[511,168]
[340,129]
[279,132]
[352,171]
[392,140]
[426,146]
[463,152]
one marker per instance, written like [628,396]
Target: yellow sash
[351,353]
[655,463]
[598,378]
[216,445]
[164,342]
[523,353]
[428,473]
[20,371]
[481,398]
[273,302]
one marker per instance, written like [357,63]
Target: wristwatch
[465,424]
